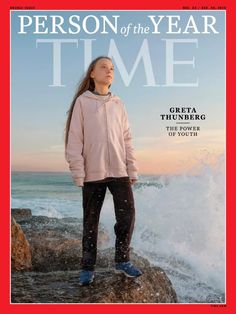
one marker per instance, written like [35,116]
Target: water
[180,222]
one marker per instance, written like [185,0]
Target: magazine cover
[117,122]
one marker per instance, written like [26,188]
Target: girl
[99,151]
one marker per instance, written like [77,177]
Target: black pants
[93,197]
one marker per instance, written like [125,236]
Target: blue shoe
[128,269]
[86,277]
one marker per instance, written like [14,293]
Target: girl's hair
[87,83]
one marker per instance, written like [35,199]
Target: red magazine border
[5,304]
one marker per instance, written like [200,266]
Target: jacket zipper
[107,141]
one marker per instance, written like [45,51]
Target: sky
[39,109]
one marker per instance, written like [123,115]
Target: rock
[56,255]
[21,213]
[63,287]
[57,241]
[20,249]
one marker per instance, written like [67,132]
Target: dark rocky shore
[45,260]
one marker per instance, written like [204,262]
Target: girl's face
[103,72]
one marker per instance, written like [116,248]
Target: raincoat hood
[101,99]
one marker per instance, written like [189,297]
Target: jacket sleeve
[75,145]
[130,158]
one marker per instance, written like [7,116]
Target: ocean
[180,222]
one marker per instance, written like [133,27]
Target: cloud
[54,149]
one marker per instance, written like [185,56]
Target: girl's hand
[132,181]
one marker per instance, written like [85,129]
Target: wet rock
[63,287]
[20,249]
[56,241]
[21,213]
[55,246]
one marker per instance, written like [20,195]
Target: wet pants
[93,198]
